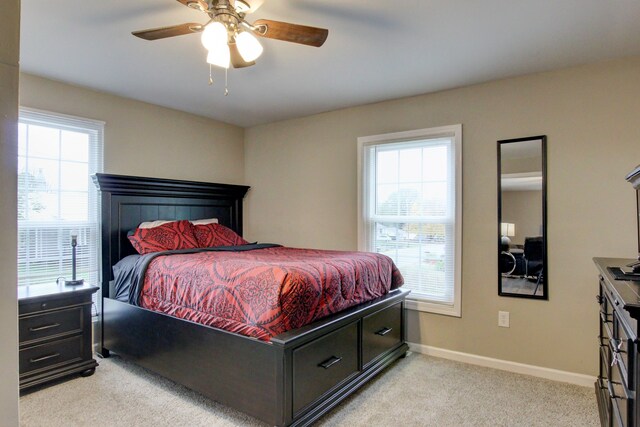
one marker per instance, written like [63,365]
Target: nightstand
[54,332]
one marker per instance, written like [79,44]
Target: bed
[291,378]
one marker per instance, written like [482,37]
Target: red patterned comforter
[265,292]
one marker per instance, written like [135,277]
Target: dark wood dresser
[618,375]
[54,332]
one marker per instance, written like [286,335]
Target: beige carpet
[415,391]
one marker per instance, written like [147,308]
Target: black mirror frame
[545,278]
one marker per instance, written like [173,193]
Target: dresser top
[627,290]
[30,293]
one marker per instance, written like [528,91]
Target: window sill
[430,307]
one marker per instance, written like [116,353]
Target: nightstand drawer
[58,352]
[54,303]
[381,332]
[41,326]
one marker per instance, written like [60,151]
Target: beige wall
[303,178]
[9,74]
[524,209]
[145,139]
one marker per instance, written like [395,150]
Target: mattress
[258,292]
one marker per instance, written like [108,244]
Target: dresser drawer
[381,332]
[623,349]
[621,406]
[606,315]
[57,352]
[621,397]
[618,418]
[323,364]
[50,324]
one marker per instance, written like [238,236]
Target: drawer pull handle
[330,362]
[617,345]
[615,359]
[40,359]
[384,331]
[42,328]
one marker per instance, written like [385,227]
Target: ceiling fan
[229,38]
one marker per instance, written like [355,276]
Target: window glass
[44,142]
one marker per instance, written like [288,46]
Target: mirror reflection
[522,217]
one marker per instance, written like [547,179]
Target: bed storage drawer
[381,332]
[324,363]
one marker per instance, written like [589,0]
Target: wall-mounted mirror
[522,217]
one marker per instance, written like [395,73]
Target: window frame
[95,128]
[454,132]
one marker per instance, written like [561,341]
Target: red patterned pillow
[165,237]
[212,235]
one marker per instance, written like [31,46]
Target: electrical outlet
[503,319]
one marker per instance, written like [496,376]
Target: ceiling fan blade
[164,32]
[236,58]
[302,34]
[195,4]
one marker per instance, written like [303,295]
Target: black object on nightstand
[55,332]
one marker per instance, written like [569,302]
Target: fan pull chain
[210,76]
[226,82]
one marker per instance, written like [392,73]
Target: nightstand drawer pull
[43,358]
[42,328]
[330,362]
[384,331]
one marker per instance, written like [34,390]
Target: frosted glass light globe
[220,56]
[214,34]
[248,46]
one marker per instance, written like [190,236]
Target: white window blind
[57,155]
[410,211]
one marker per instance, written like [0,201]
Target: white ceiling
[376,50]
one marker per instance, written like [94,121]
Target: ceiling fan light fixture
[248,46]
[214,35]
[219,56]
[196,5]
[242,6]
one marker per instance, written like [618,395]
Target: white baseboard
[505,365]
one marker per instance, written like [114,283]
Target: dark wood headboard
[129,200]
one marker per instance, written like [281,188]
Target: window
[410,209]
[57,155]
